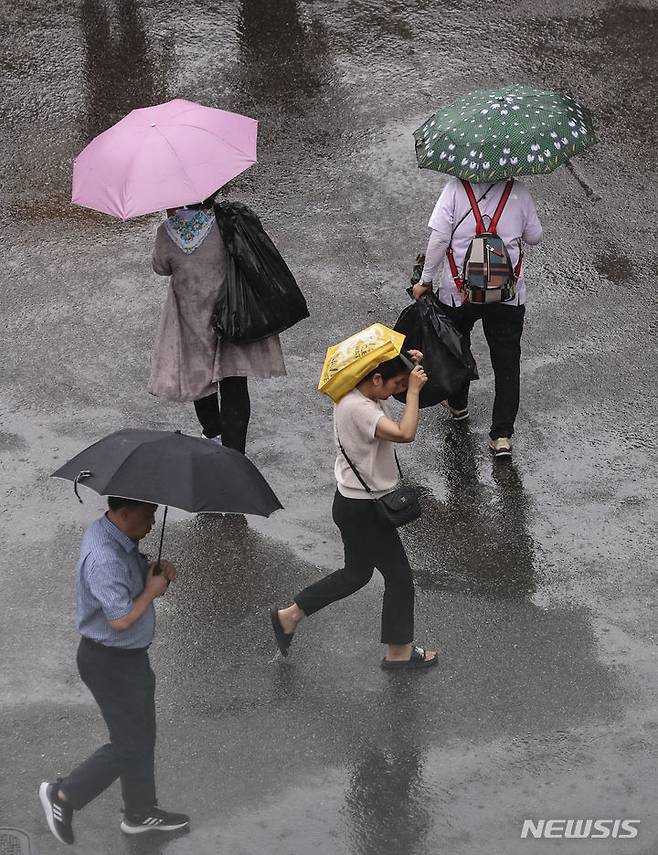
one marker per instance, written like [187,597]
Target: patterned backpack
[488,275]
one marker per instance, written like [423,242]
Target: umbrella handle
[83,473]
[156,569]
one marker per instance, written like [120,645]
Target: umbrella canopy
[502,133]
[161,157]
[169,468]
[348,362]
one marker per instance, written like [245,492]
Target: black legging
[232,421]
[368,543]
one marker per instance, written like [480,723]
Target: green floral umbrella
[501,133]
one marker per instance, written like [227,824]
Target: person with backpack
[478,232]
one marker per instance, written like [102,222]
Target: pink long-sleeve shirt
[518,224]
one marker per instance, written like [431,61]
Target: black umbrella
[170,468]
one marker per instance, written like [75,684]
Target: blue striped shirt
[111,573]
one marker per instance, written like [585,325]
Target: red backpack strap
[519,263]
[499,209]
[479,223]
[453,268]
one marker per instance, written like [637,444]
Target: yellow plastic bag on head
[347,363]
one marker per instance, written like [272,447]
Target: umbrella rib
[216,136]
[175,153]
[116,472]
[173,150]
[129,175]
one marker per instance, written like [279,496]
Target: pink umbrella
[161,157]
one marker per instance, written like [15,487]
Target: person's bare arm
[405,429]
[155,587]
[434,256]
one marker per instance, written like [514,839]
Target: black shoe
[154,820]
[58,813]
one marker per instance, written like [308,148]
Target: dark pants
[123,686]
[503,326]
[368,543]
[232,422]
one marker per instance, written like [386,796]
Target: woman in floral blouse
[189,363]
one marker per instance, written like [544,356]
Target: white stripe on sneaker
[47,804]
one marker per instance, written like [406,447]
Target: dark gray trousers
[123,686]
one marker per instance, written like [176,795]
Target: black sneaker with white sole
[58,813]
[154,820]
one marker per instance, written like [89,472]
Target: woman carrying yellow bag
[359,375]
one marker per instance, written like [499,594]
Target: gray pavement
[536,580]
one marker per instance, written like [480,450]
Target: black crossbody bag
[397,508]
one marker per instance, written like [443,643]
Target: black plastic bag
[261,297]
[447,358]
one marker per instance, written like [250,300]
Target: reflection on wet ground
[477,541]
[389,797]
[283,53]
[119,69]
[532,578]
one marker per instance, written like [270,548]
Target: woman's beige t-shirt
[355,421]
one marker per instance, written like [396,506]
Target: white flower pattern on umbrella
[487,141]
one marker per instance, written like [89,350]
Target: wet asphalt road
[535,579]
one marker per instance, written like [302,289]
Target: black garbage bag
[261,297]
[447,358]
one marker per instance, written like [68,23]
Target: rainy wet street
[535,579]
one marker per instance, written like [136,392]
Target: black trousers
[123,686]
[232,421]
[368,543]
[503,327]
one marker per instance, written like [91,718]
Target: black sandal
[413,663]
[283,639]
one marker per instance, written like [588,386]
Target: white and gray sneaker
[501,447]
[456,415]
[154,820]
[59,814]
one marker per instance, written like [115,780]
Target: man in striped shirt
[115,590]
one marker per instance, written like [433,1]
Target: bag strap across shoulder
[479,222]
[451,258]
[501,204]
[356,471]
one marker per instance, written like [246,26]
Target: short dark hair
[116,502]
[391,367]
